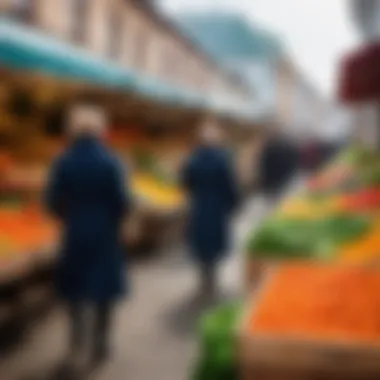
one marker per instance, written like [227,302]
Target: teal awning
[24,48]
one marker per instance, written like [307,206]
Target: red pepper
[364,200]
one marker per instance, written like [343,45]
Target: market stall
[152,128]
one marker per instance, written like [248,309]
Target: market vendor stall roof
[23,48]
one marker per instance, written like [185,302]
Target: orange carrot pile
[320,302]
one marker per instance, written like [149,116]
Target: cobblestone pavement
[154,332]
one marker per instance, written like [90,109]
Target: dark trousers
[99,331]
[207,274]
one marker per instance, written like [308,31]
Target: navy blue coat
[86,191]
[209,180]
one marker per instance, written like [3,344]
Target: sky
[316,33]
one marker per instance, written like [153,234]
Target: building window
[141,48]
[168,66]
[78,11]
[115,31]
[22,10]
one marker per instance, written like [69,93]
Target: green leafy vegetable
[279,238]
[217,344]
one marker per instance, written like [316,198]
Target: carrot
[320,302]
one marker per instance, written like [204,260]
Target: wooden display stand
[278,359]
[254,271]
[147,231]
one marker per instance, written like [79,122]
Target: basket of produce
[313,320]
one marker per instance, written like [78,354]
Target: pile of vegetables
[365,249]
[217,359]
[23,230]
[353,169]
[300,239]
[317,302]
[152,184]
[336,217]
[307,207]
[361,201]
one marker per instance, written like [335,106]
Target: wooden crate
[255,271]
[280,358]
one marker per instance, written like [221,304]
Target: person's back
[87,193]
[271,165]
[91,213]
[278,162]
[211,188]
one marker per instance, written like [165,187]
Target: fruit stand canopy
[24,48]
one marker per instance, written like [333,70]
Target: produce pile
[337,215]
[24,231]
[318,302]
[152,184]
[156,193]
[148,181]
[318,238]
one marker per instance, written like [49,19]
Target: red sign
[360,75]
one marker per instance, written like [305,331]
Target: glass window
[115,31]
[141,48]
[22,10]
[78,19]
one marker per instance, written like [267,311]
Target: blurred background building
[132,34]
[282,93]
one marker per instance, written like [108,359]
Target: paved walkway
[154,333]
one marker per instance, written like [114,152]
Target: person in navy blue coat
[278,162]
[86,191]
[209,180]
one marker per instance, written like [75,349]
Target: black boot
[101,352]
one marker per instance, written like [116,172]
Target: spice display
[332,303]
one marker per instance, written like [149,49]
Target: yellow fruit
[154,192]
[304,208]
